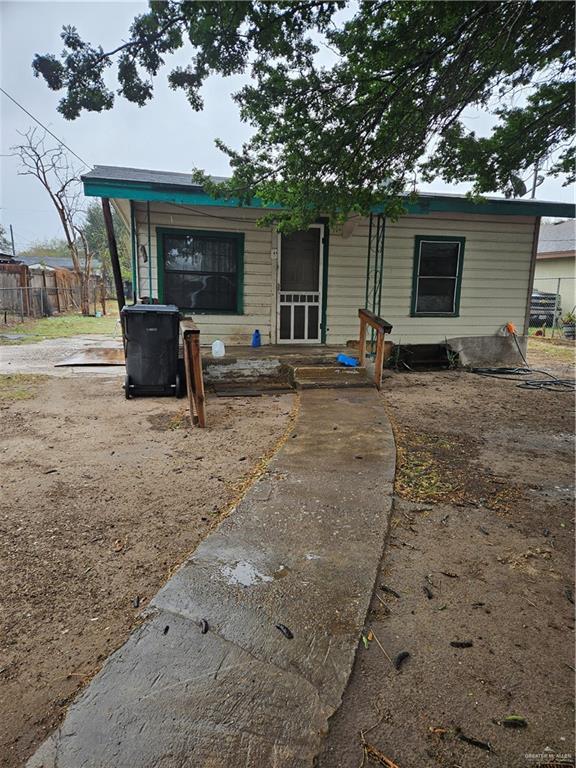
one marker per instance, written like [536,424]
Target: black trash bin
[152,333]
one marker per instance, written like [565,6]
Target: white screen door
[300,286]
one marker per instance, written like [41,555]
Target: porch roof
[143,185]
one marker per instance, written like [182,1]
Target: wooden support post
[57,291]
[112,247]
[379,361]
[189,383]
[25,303]
[199,396]
[194,377]
[381,327]
[362,342]
[103,296]
[44,294]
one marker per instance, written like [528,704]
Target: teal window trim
[418,240]
[161,232]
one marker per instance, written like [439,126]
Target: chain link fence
[552,306]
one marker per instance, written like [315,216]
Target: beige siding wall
[259,266]
[495,278]
[549,271]
[496,273]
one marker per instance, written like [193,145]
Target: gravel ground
[100,500]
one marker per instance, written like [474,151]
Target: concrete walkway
[284,585]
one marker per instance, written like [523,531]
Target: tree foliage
[335,138]
[5,244]
[53,248]
[52,167]
[95,231]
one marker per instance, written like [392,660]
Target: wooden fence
[28,292]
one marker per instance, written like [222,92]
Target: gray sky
[166,134]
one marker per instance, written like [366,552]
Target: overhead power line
[45,128]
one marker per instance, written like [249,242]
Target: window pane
[439,259]
[300,261]
[200,291]
[313,330]
[299,320]
[200,272]
[285,314]
[435,294]
[199,254]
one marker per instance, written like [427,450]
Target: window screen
[201,270]
[437,276]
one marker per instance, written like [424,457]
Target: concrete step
[329,376]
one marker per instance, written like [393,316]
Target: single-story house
[450,267]
[39,262]
[556,262]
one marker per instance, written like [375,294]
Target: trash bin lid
[163,309]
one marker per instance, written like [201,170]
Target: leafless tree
[54,169]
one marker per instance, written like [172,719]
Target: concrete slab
[490,351]
[330,377]
[284,585]
[46,357]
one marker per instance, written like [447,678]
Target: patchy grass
[419,475]
[178,420]
[436,468]
[19,386]
[60,327]
[556,350]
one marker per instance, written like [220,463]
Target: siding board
[259,266]
[494,284]
[495,277]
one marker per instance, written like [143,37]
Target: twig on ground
[382,601]
[381,647]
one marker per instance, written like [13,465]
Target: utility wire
[45,128]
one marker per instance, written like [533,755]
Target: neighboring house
[556,262]
[55,262]
[449,268]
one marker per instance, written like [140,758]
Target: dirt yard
[476,582]
[100,500]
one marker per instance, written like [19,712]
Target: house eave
[427,203]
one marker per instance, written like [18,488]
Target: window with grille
[203,271]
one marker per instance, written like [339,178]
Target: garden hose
[552,383]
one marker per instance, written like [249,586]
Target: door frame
[321,288]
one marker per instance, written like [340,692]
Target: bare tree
[53,168]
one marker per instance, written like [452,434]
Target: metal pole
[149,256]
[135,277]
[12,239]
[555,318]
[21,305]
[375,282]
[368,263]
[381,265]
[535,179]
